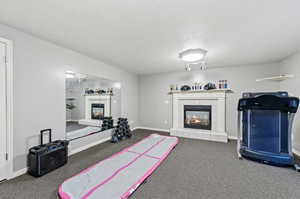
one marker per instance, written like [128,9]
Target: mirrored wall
[90,100]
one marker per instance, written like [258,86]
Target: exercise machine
[265,123]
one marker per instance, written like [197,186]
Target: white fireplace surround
[99,99]
[216,99]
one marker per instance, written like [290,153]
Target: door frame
[9,104]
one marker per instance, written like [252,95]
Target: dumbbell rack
[107,123]
[121,131]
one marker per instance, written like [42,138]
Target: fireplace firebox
[197,117]
[97,111]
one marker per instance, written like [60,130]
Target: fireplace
[97,111]
[197,117]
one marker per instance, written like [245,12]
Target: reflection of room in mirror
[97,111]
[89,99]
[94,106]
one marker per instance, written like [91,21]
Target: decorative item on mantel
[89,91]
[209,86]
[172,87]
[100,91]
[196,86]
[185,88]
[223,84]
[220,85]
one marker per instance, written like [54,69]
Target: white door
[3,113]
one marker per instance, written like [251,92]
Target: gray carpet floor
[194,170]
[73,126]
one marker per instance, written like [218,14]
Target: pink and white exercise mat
[119,175]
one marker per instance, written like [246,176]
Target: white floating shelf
[276,78]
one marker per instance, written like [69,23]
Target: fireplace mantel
[214,98]
[89,100]
[201,91]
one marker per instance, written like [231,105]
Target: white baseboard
[18,173]
[152,129]
[72,152]
[202,135]
[72,120]
[232,137]
[24,170]
[296,152]
[135,128]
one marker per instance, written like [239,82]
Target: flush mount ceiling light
[193,55]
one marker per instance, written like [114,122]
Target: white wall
[155,105]
[39,88]
[291,65]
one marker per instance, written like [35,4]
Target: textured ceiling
[146,36]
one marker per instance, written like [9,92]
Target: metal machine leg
[238,146]
[297,167]
[290,137]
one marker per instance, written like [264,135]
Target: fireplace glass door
[97,111]
[197,117]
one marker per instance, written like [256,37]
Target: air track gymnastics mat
[119,175]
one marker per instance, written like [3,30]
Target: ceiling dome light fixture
[193,55]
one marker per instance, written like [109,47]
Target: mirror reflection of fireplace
[197,117]
[97,111]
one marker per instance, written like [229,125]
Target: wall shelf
[276,78]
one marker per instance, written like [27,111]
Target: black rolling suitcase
[47,157]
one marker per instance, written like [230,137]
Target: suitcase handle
[42,135]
